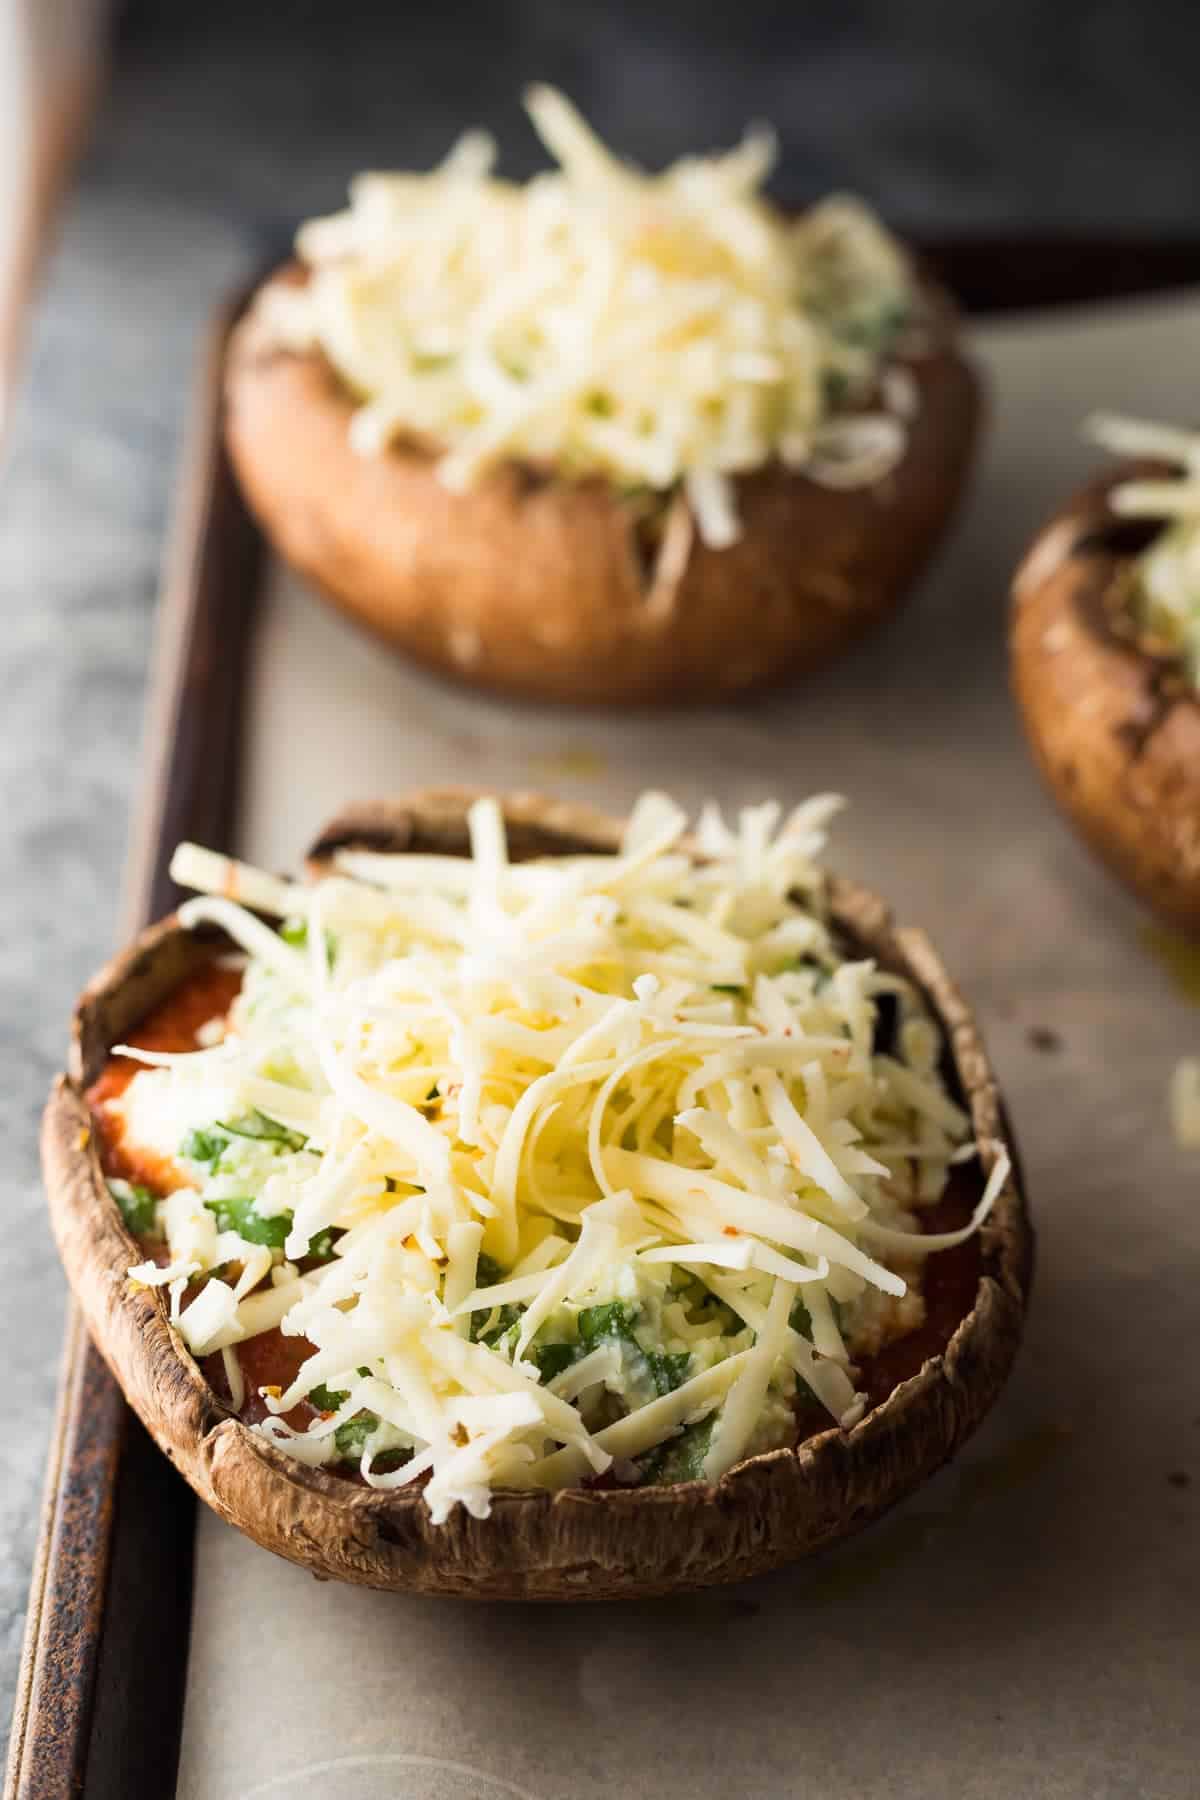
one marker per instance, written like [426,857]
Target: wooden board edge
[37,1651]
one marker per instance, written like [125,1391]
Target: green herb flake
[680,1458]
[137,1206]
[551,1359]
[240,1214]
[204,1147]
[490,1324]
[507,1319]
[612,1320]
[668,1369]
[350,1438]
[835,387]
[261,1129]
[488,1272]
[388,1461]
[326,1400]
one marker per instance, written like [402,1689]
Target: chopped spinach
[350,1437]
[326,1399]
[320,1248]
[874,329]
[137,1207]
[262,1129]
[668,1368]
[835,384]
[241,1215]
[616,1319]
[388,1461]
[488,1273]
[205,1147]
[350,1440]
[552,1359]
[680,1458]
[612,1320]
[507,1319]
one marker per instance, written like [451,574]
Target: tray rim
[192,702]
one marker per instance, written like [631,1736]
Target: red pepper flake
[730,1231]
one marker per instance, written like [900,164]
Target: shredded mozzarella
[664,330]
[552,1164]
[1166,599]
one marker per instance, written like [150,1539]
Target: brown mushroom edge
[1114,728]
[574,1544]
[563,590]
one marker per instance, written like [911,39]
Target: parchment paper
[1029,1624]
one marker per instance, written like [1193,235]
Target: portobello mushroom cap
[574,1544]
[563,590]
[1114,728]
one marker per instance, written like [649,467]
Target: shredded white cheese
[659,330]
[552,1164]
[1167,600]
[1184,1102]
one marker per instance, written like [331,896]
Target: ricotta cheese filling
[606,1165]
[1167,593]
[657,330]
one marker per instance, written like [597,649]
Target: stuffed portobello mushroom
[1105,653]
[606,437]
[532,1205]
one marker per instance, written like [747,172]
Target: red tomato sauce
[205,995]
[173,1026]
[268,1360]
[949,1278]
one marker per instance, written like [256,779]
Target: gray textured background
[222,125]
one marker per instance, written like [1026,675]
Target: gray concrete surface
[213,136]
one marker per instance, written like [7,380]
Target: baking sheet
[1028,1624]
